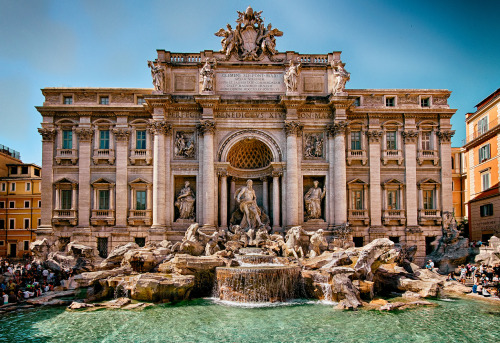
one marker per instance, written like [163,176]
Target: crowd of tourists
[485,279]
[27,279]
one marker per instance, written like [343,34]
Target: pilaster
[48,135]
[122,193]
[292,130]
[84,133]
[374,137]
[410,139]
[339,176]
[445,157]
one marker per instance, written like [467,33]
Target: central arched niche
[250,153]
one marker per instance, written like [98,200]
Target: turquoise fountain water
[207,321]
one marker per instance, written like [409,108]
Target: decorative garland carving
[84,134]
[158,127]
[410,136]
[445,135]
[293,128]
[206,126]
[337,128]
[47,134]
[121,134]
[374,136]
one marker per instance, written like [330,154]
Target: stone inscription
[250,82]
[254,115]
[315,115]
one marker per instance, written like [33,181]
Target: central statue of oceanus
[251,39]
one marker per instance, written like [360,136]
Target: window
[485,180]
[356,140]
[67,142]
[2,224]
[66,197]
[13,170]
[37,172]
[395,239]
[104,199]
[482,125]
[140,241]
[390,101]
[2,243]
[486,210]
[392,200]
[26,245]
[26,204]
[39,222]
[102,246]
[26,223]
[13,187]
[140,101]
[391,140]
[140,197]
[484,153]
[357,199]
[358,242]
[357,102]
[140,140]
[426,140]
[28,186]
[428,195]
[39,203]
[2,204]
[104,100]
[68,100]
[24,170]
[12,224]
[104,139]
[4,186]
[12,204]
[425,102]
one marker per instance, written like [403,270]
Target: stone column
[168,207]
[207,129]
[292,130]
[73,196]
[47,191]
[445,156]
[265,194]
[223,199]
[374,137]
[276,199]
[84,133]
[122,193]
[331,176]
[411,138]
[232,190]
[337,130]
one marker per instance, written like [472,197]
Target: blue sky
[100,43]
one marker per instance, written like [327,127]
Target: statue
[229,40]
[185,202]
[317,243]
[212,245]
[341,77]
[291,77]
[194,241]
[313,199]
[157,73]
[207,75]
[248,205]
[268,41]
[292,243]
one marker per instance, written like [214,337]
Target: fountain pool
[205,320]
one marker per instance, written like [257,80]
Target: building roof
[486,100]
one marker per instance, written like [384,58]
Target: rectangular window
[104,100]
[425,102]
[37,172]
[13,187]
[12,204]
[486,210]
[24,170]
[67,142]
[26,223]
[390,101]
[4,186]
[28,186]
[140,100]
[428,199]
[39,203]
[104,199]
[66,198]
[357,199]
[395,239]
[2,204]
[140,241]
[358,241]
[26,204]
[357,102]
[482,125]
[13,170]
[12,224]
[2,243]
[426,140]
[392,200]
[391,140]
[104,139]
[2,224]
[140,197]
[356,140]
[26,245]
[140,139]
[68,100]
[485,180]
[102,246]
[484,153]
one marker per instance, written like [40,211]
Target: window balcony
[140,155]
[66,154]
[428,155]
[106,155]
[103,217]
[394,215]
[392,155]
[64,217]
[429,217]
[356,155]
[139,217]
[359,215]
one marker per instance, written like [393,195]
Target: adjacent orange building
[482,166]
[20,203]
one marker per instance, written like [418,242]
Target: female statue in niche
[185,202]
[313,199]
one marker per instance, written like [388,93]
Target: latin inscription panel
[250,82]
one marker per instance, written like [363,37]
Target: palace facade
[118,162]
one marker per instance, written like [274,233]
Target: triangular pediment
[66,180]
[102,180]
[356,182]
[393,182]
[428,181]
[139,181]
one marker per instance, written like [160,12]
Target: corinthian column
[207,129]
[223,198]
[292,130]
[276,199]
[84,134]
[339,172]
[121,135]
[410,139]
[374,137]
[48,135]
[445,150]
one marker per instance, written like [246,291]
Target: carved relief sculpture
[157,72]
[251,40]
[207,76]
[291,77]
[184,144]
[313,199]
[185,202]
[341,77]
[314,145]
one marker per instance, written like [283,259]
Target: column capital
[337,128]
[121,134]
[445,135]
[374,136]
[264,178]
[293,127]
[206,126]
[160,127]
[222,173]
[410,136]
[47,134]
[276,173]
[84,134]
